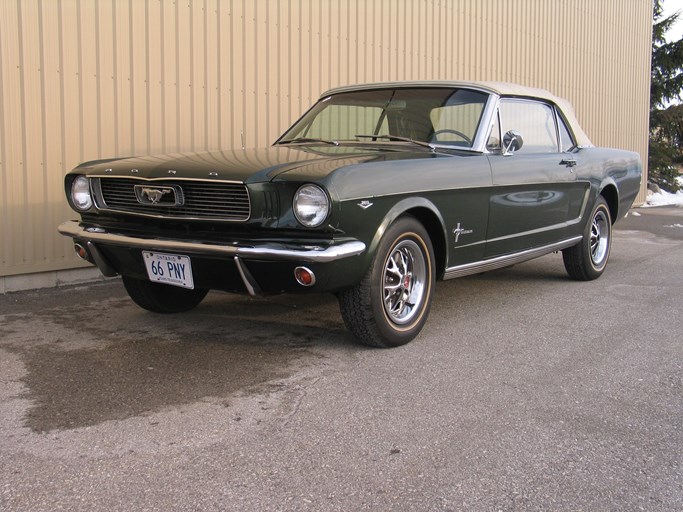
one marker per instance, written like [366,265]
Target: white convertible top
[503,89]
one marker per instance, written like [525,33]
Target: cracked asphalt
[525,391]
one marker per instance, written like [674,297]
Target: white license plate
[171,269]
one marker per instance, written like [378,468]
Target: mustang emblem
[154,195]
[460,231]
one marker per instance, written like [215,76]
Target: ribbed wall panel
[88,79]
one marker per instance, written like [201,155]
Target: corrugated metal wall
[87,79]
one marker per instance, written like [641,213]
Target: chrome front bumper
[261,251]
[92,237]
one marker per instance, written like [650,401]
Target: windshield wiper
[401,139]
[304,140]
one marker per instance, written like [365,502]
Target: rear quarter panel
[605,167]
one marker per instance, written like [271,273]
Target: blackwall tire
[390,306]
[162,298]
[587,260]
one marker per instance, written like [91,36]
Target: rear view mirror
[512,141]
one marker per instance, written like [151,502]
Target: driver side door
[535,190]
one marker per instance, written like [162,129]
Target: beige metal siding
[88,79]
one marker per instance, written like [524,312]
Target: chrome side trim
[263,251]
[536,231]
[586,195]
[509,259]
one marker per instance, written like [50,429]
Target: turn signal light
[82,252]
[304,276]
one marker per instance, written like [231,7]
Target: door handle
[568,162]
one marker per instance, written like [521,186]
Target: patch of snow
[636,214]
[664,198]
[674,226]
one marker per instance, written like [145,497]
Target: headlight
[80,193]
[311,205]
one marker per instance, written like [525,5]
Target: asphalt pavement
[525,391]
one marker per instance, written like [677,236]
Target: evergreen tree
[666,123]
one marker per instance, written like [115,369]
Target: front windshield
[439,116]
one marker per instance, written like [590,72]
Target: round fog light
[304,276]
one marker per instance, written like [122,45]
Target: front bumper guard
[92,236]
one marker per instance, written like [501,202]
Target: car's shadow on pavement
[110,360]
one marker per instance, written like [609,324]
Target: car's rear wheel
[390,305]
[587,260]
[162,298]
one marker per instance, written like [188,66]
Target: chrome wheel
[405,274]
[390,305]
[587,259]
[599,238]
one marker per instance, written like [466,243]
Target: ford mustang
[374,194]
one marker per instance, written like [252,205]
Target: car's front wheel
[162,298]
[390,305]
[587,260]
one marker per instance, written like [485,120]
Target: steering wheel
[454,132]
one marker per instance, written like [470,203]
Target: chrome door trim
[507,260]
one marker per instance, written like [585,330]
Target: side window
[566,142]
[534,120]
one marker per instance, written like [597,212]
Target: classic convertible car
[377,192]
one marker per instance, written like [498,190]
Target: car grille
[200,199]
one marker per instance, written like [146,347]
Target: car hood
[247,165]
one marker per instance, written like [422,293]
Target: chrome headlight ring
[311,205]
[81,196]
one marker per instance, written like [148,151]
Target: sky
[670,7]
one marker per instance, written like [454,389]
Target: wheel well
[436,234]
[612,197]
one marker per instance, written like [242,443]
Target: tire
[162,298]
[587,260]
[390,305]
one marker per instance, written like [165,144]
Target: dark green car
[377,192]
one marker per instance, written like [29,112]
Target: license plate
[171,269]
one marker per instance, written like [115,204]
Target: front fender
[424,210]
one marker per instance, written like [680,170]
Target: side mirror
[512,141]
